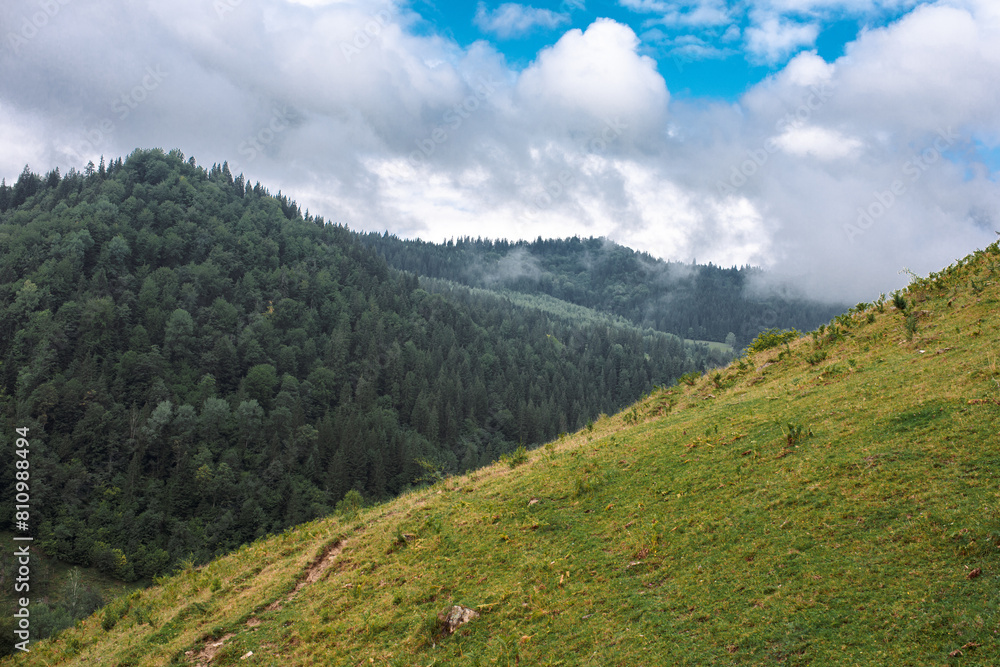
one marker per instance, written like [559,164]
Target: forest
[702,302]
[200,363]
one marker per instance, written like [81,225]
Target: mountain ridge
[693,301]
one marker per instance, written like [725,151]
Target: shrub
[770,338]
[433,471]
[794,433]
[114,613]
[689,378]
[816,357]
[516,458]
[899,301]
[350,504]
[911,325]
[880,304]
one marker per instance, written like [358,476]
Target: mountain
[199,364]
[826,499]
[702,302]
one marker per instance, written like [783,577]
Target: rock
[451,619]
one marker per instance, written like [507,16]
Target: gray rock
[454,617]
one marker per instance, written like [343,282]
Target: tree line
[703,302]
[201,363]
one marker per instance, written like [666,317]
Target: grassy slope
[684,531]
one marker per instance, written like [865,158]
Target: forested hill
[200,364]
[703,302]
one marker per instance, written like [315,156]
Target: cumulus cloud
[818,142]
[688,13]
[596,73]
[687,47]
[839,6]
[773,38]
[513,20]
[832,174]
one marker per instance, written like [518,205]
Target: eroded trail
[210,647]
[312,574]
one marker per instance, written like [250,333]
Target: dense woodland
[702,302]
[200,364]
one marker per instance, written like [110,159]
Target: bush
[899,301]
[816,357]
[770,338]
[114,612]
[516,458]
[794,433]
[911,325]
[689,378]
[111,561]
[350,504]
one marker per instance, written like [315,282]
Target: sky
[836,143]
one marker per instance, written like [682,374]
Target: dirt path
[312,574]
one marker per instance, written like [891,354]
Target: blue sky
[833,142]
[711,58]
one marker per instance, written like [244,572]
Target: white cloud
[23,143]
[840,7]
[818,142]
[807,69]
[938,65]
[773,38]
[513,20]
[670,221]
[691,47]
[693,13]
[381,125]
[598,75]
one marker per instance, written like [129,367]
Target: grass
[837,512]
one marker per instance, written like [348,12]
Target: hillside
[829,500]
[696,301]
[200,364]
